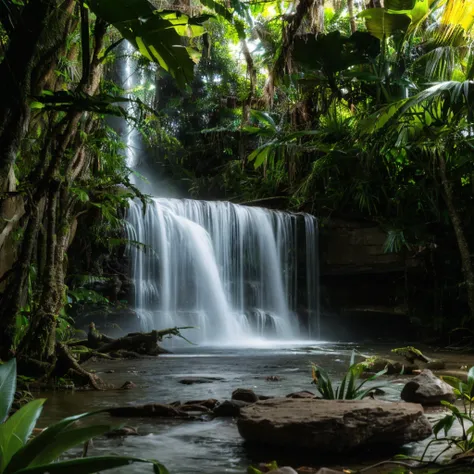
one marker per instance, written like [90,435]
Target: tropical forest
[237,236]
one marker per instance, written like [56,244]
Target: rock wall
[363,289]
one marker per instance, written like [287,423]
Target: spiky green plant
[350,388]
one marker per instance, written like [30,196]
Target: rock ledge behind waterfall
[332,425]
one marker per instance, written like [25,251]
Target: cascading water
[229,270]
[232,271]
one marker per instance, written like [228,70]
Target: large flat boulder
[332,425]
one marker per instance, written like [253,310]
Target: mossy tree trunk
[463,246]
[50,206]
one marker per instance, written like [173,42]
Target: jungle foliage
[356,111]
[337,108]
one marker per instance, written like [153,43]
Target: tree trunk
[247,103]
[39,32]
[49,184]
[350,7]
[460,235]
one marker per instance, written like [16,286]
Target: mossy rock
[377,364]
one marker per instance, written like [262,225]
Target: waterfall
[235,272]
[312,275]
[229,270]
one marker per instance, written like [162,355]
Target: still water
[213,447]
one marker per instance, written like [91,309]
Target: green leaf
[26,455]
[470,376]
[453,381]
[420,11]
[262,156]
[264,118]
[36,105]
[67,440]
[90,465]
[14,433]
[152,32]
[7,387]
[81,194]
[253,470]
[382,24]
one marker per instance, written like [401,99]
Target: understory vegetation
[340,109]
[359,110]
[22,453]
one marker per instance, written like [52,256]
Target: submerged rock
[332,425]
[198,380]
[273,378]
[150,410]
[427,389]
[229,408]
[245,395]
[302,394]
[128,385]
[124,431]
[209,403]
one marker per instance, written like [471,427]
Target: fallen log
[136,343]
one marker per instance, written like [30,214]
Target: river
[214,447]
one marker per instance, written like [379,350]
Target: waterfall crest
[229,270]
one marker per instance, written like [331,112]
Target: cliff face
[355,248]
[364,291]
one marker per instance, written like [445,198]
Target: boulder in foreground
[332,425]
[427,389]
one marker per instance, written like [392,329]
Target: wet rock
[194,408]
[264,397]
[128,385]
[124,431]
[229,408]
[273,378]
[210,403]
[110,371]
[332,425]
[199,380]
[150,410]
[302,394]
[245,395]
[393,366]
[427,389]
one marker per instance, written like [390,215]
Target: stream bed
[215,447]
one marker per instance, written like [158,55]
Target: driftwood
[141,343]
[68,358]
[411,354]
[135,344]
